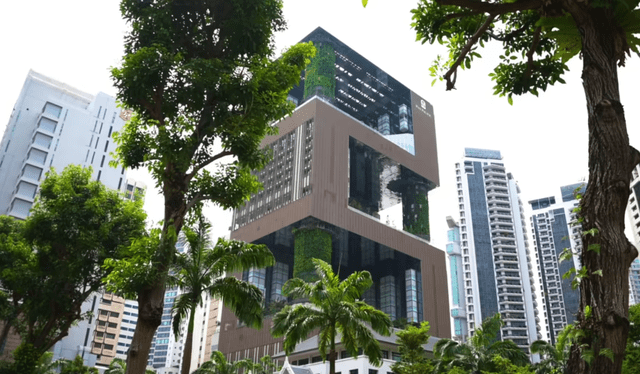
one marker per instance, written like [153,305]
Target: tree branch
[451,16]
[532,51]
[494,8]
[474,39]
[206,162]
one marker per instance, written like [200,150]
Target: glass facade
[397,280]
[280,276]
[388,191]
[357,87]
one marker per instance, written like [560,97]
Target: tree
[264,366]
[413,358]
[554,358]
[119,366]
[51,262]
[333,308]
[76,366]
[631,364]
[201,270]
[200,78]
[218,365]
[477,354]
[538,38]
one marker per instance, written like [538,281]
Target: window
[103,312]
[113,325]
[102,323]
[373,371]
[111,336]
[97,345]
[99,334]
[108,347]
[115,314]
[353,371]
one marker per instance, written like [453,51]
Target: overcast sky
[543,140]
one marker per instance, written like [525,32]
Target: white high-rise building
[633,213]
[55,125]
[554,227]
[498,273]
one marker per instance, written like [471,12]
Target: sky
[543,140]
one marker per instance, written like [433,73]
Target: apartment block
[497,268]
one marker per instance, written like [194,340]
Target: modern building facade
[498,273]
[55,125]
[633,212]
[634,282]
[348,183]
[458,304]
[554,227]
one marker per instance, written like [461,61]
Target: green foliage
[119,366]
[310,243]
[218,364]
[478,353]
[204,88]
[320,75]
[52,261]
[26,358]
[202,269]
[631,364]
[554,359]
[76,367]
[334,307]
[420,226]
[264,366]
[413,357]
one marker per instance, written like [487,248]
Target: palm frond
[244,299]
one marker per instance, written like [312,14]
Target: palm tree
[554,358]
[201,270]
[218,365]
[119,366]
[477,354]
[46,365]
[333,308]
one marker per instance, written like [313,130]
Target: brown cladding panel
[328,202]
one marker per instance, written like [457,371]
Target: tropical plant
[554,358]
[201,270]
[119,366]
[264,366]
[477,354]
[538,38]
[413,358]
[204,87]
[218,364]
[51,262]
[76,366]
[631,364]
[334,307]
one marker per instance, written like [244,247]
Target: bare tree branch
[465,51]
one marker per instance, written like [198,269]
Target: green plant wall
[321,73]
[421,225]
[310,243]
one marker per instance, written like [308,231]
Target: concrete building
[352,167]
[498,272]
[633,212]
[55,125]
[306,359]
[554,228]
[458,305]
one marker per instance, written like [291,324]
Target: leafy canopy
[413,357]
[478,353]
[51,262]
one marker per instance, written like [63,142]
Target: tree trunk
[150,304]
[611,160]
[151,299]
[333,355]
[188,344]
